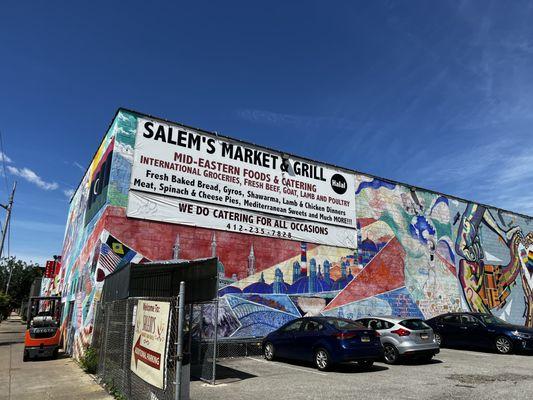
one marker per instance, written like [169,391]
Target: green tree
[5,305]
[22,277]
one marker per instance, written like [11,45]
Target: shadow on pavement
[417,361]
[353,368]
[11,342]
[60,356]
[229,375]
[518,352]
[347,368]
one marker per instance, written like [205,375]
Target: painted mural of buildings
[418,253]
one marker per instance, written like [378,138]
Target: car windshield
[344,324]
[414,324]
[491,320]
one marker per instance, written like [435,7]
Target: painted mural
[418,254]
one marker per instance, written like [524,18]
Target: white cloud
[298,121]
[36,226]
[496,173]
[4,158]
[32,177]
[78,165]
[68,192]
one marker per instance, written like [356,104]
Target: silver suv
[403,337]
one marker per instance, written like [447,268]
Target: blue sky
[438,94]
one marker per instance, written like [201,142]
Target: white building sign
[184,176]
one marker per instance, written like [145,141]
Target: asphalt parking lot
[452,374]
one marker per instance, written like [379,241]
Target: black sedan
[324,341]
[480,330]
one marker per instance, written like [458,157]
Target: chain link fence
[113,338]
[202,319]
[208,346]
[238,347]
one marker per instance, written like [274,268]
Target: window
[468,320]
[313,326]
[492,320]
[414,324]
[451,319]
[294,326]
[379,324]
[344,324]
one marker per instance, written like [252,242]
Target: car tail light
[401,332]
[377,334]
[345,335]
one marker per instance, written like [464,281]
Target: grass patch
[89,360]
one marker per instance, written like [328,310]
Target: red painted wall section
[384,273]
[155,241]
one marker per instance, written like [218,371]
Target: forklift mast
[44,311]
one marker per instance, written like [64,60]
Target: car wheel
[390,353]
[438,339]
[55,354]
[268,351]
[25,357]
[322,360]
[365,363]
[503,345]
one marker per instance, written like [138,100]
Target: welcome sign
[149,347]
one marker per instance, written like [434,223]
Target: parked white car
[403,337]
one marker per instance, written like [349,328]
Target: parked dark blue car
[480,330]
[324,341]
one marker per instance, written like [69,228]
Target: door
[70,330]
[450,329]
[286,338]
[474,332]
[306,338]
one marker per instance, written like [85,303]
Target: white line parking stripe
[471,353]
[288,366]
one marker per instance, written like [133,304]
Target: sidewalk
[44,379]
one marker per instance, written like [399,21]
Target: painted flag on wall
[303,253]
[99,180]
[108,259]
[113,256]
[119,248]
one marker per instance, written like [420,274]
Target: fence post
[106,311]
[215,345]
[126,360]
[201,323]
[179,342]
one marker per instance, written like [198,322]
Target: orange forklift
[43,335]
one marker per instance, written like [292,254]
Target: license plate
[365,339]
[424,336]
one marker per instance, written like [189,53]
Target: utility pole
[179,344]
[8,208]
